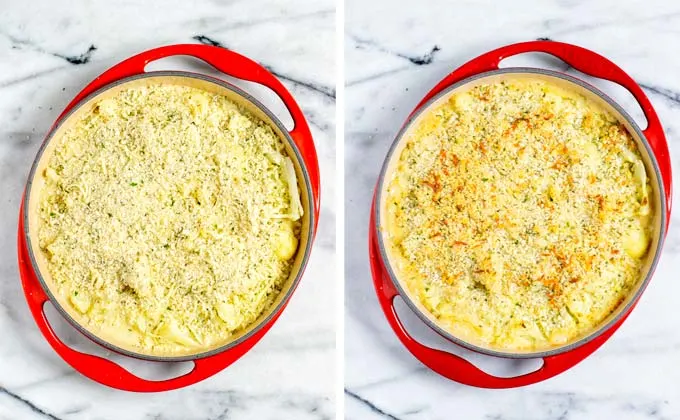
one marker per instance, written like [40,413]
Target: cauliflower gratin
[518,214]
[169,218]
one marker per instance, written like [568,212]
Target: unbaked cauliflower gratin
[169,217]
[518,215]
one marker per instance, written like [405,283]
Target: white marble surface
[44,62]
[636,374]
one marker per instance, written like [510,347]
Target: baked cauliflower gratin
[518,214]
[169,218]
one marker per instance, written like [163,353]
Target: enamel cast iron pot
[37,283]
[652,145]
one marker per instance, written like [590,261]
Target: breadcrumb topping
[518,215]
[169,218]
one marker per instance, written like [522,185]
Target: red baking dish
[653,147]
[301,148]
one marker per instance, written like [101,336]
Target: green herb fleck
[75,293]
[52,214]
[134,184]
[485,179]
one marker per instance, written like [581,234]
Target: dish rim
[632,297]
[258,324]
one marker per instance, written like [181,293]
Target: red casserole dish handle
[229,63]
[587,62]
[105,371]
[455,367]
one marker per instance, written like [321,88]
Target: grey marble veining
[48,52]
[395,52]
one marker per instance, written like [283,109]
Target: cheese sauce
[170,217]
[518,215]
